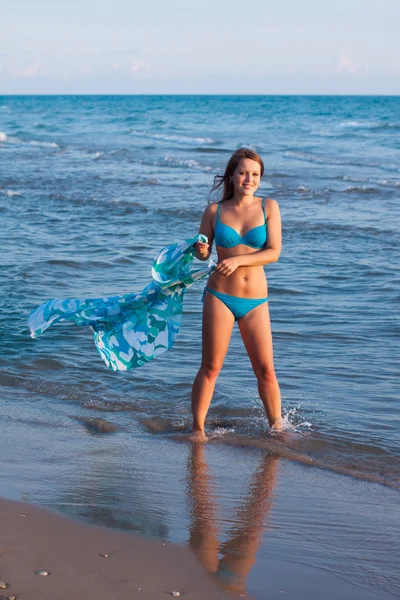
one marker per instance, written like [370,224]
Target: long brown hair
[225,180]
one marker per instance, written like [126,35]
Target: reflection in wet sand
[232,560]
[108,492]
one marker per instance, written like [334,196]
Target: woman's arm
[203,251]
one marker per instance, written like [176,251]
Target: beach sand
[91,562]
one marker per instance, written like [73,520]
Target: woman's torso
[246,282]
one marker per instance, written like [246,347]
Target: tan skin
[240,273]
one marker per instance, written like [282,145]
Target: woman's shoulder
[211,209]
[271,205]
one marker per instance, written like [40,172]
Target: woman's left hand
[228,265]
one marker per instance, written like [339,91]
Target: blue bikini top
[227,237]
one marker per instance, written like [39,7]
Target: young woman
[247,234]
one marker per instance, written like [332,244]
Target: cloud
[345,65]
[24,72]
[121,53]
[135,67]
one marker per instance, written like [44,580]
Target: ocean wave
[96,155]
[129,204]
[18,140]
[325,227]
[389,183]
[170,161]
[186,214]
[393,183]
[310,157]
[180,139]
[324,133]
[211,150]
[43,144]
[372,125]
[356,124]
[153,181]
[361,189]
[332,134]
[189,162]
[279,174]
[298,442]
[302,189]
[10,193]
[355,179]
[330,160]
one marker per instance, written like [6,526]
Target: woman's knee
[265,373]
[210,370]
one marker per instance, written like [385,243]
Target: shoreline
[97,562]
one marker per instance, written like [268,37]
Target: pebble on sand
[176,593]
[42,573]
[3,586]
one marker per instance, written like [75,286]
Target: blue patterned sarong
[132,329]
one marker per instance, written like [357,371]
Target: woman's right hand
[202,250]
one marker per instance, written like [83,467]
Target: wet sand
[91,562]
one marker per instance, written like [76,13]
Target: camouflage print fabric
[132,329]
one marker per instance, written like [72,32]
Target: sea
[91,188]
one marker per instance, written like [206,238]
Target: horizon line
[341,95]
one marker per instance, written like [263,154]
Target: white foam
[304,156]
[192,164]
[180,139]
[389,182]
[357,124]
[220,432]
[360,188]
[291,421]
[10,193]
[44,144]
[3,137]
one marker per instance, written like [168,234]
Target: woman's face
[246,177]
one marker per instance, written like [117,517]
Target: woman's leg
[218,323]
[255,329]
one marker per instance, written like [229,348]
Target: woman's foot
[278,424]
[198,436]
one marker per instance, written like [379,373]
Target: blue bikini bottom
[239,307]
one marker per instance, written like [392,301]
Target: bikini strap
[263,207]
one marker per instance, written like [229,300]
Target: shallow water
[90,189]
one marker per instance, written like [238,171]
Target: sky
[206,47]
